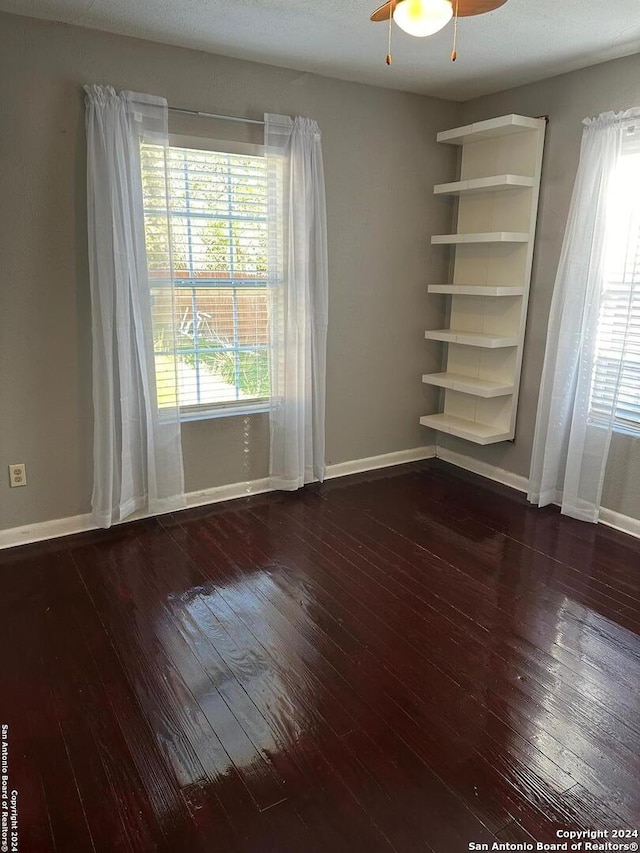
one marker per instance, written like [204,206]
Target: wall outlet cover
[17,475]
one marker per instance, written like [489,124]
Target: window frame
[619,424]
[234,408]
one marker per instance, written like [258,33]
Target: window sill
[622,427]
[625,429]
[223,412]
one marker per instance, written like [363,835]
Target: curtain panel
[137,447]
[571,445]
[298,295]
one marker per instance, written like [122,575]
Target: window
[216,310]
[618,337]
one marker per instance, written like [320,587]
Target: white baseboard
[44,530]
[217,494]
[499,475]
[387,460]
[624,523]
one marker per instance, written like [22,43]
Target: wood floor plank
[421,736]
[411,623]
[373,617]
[191,700]
[300,662]
[407,659]
[192,756]
[163,807]
[522,678]
[281,618]
[503,607]
[48,745]
[19,641]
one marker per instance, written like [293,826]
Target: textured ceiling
[524,41]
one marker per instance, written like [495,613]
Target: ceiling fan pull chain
[454,52]
[388,59]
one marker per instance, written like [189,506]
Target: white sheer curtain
[572,440]
[137,448]
[298,288]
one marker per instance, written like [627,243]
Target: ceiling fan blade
[382,12]
[466,8]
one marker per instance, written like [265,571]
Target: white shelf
[490,129]
[470,430]
[495,183]
[472,339]
[477,289]
[469,384]
[483,237]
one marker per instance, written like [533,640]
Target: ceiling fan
[426,17]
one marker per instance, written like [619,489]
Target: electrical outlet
[18,475]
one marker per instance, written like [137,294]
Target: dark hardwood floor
[408,660]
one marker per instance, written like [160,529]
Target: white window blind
[616,374]
[210,327]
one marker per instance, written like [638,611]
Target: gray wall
[567,99]
[381,162]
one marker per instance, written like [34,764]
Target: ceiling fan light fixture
[422,17]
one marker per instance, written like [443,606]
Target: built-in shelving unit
[496,200]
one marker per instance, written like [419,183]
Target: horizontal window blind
[615,386]
[210,316]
